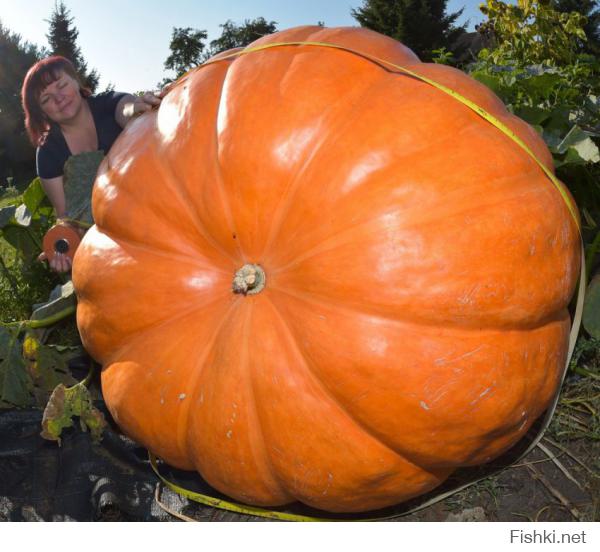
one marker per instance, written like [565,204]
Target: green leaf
[533,115]
[573,157]
[15,382]
[22,215]
[574,138]
[579,147]
[495,83]
[592,102]
[51,370]
[72,350]
[509,80]
[541,85]
[559,121]
[587,150]
[591,308]
[20,237]
[61,298]
[46,366]
[34,196]
[552,139]
[65,403]
[79,175]
[6,215]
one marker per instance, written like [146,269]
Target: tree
[189,50]
[17,156]
[234,36]
[591,10]
[62,38]
[422,25]
[532,32]
[187,46]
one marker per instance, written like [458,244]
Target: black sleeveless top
[51,157]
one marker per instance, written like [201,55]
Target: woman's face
[61,100]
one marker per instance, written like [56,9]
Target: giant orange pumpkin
[414,263]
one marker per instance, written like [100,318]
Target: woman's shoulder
[53,140]
[107,100]
[107,94]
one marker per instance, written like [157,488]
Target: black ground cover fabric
[77,481]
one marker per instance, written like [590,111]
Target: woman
[62,118]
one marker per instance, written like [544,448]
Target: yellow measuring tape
[284,516]
[227,505]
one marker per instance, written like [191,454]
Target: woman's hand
[131,106]
[60,262]
[146,102]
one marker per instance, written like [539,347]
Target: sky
[127,41]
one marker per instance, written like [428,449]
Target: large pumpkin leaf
[580,141]
[79,175]
[34,196]
[591,308]
[66,403]
[47,366]
[582,156]
[592,102]
[495,83]
[541,85]
[62,298]
[15,382]
[576,148]
[23,240]
[52,370]
[23,215]
[558,123]
[6,215]
[533,115]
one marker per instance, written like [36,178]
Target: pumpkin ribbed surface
[417,262]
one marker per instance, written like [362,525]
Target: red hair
[40,75]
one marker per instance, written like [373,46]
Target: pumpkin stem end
[249,280]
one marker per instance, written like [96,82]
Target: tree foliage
[591,10]
[422,25]
[236,36]
[187,46]
[531,31]
[17,159]
[62,38]
[189,50]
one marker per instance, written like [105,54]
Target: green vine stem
[583,372]
[85,382]
[43,322]
[75,222]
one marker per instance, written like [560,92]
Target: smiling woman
[63,118]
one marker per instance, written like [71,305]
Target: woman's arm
[56,194]
[130,105]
